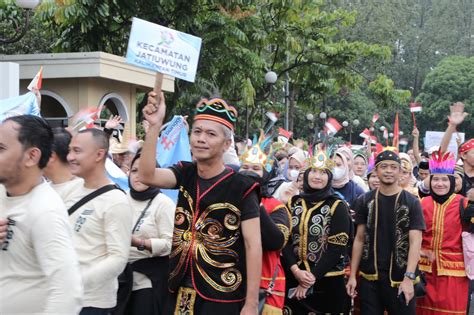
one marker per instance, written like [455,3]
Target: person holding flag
[216,259]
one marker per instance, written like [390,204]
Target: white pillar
[9,80]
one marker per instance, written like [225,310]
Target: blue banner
[173,146]
[115,174]
[26,104]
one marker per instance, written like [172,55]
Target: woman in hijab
[341,181]
[446,214]
[347,153]
[143,285]
[290,188]
[360,164]
[314,255]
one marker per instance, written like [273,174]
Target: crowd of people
[262,227]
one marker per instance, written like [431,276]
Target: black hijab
[315,195]
[442,199]
[147,194]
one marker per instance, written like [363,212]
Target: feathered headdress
[442,163]
[256,153]
[321,158]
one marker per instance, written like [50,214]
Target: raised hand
[154,112]
[457,114]
[113,122]
[415,133]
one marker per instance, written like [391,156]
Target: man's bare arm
[147,171]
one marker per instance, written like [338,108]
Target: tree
[451,81]
[36,39]
[241,41]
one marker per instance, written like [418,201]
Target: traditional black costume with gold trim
[368,207]
[318,243]
[207,238]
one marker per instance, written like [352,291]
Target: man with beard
[387,244]
[216,255]
[39,267]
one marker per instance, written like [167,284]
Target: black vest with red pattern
[207,236]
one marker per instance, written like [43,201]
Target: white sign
[163,50]
[433,138]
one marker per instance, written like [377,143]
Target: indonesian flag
[284,135]
[365,134]
[85,118]
[332,126]
[373,139]
[415,107]
[375,118]
[37,81]
[396,132]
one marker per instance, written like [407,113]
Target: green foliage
[36,39]
[451,81]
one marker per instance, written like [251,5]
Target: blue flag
[25,104]
[173,146]
[115,174]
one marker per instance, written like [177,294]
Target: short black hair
[35,132]
[100,138]
[61,141]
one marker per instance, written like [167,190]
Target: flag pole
[414,119]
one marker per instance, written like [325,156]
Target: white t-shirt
[157,225]
[68,190]
[39,270]
[102,235]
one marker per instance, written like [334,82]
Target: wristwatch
[410,275]
[141,247]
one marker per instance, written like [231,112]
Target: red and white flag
[415,107]
[85,118]
[375,118]
[284,135]
[37,81]
[385,133]
[365,134]
[332,126]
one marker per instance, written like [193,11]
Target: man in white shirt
[39,267]
[102,226]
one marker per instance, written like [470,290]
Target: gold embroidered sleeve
[286,232]
[340,239]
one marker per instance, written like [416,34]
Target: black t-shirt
[250,205]
[386,224]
